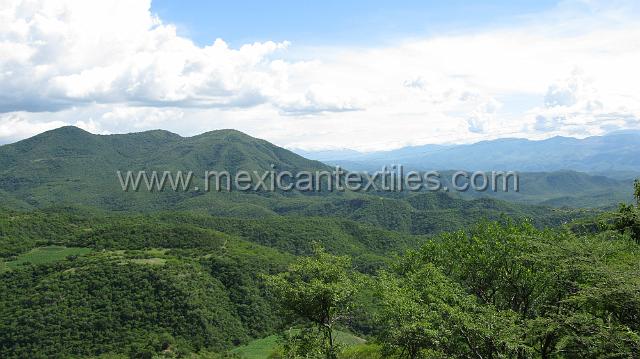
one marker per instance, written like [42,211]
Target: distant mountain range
[613,155]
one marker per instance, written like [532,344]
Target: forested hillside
[173,284]
[88,270]
[71,167]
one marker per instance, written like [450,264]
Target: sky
[365,75]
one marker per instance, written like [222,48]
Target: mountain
[181,269]
[69,167]
[614,155]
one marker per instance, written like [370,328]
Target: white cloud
[60,53]
[575,106]
[14,127]
[115,67]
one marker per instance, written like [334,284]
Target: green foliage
[511,290]
[239,271]
[491,261]
[305,343]
[362,351]
[195,283]
[628,216]
[318,289]
[141,277]
[425,314]
[628,221]
[44,255]
[226,251]
[22,231]
[88,307]
[430,213]
[258,349]
[564,189]
[274,346]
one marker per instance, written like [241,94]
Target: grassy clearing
[258,349]
[261,348]
[44,255]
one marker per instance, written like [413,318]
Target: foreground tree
[504,290]
[628,218]
[426,315]
[319,289]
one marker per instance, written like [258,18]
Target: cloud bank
[116,67]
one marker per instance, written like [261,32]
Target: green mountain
[71,167]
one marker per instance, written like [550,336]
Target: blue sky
[366,75]
[333,22]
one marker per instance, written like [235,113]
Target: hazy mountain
[615,155]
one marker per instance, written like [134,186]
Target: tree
[318,289]
[491,260]
[426,315]
[408,325]
[628,218]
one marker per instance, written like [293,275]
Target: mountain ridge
[71,167]
[616,155]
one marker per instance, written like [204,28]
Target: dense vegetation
[130,297]
[86,271]
[495,290]
[177,283]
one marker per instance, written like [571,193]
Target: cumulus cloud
[574,105]
[114,67]
[60,53]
